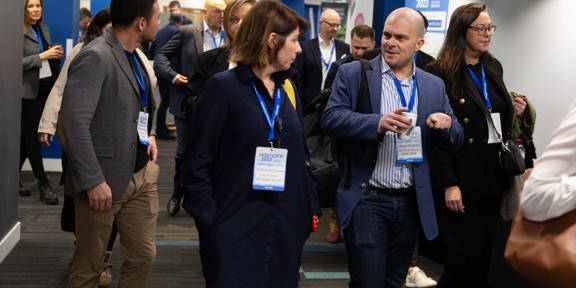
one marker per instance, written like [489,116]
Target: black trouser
[164,88]
[29,144]
[468,239]
[182,129]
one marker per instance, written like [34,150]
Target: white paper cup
[405,134]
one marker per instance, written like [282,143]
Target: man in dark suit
[362,39]
[389,191]
[317,56]
[107,109]
[175,62]
[174,8]
[163,36]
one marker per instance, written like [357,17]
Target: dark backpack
[326,161]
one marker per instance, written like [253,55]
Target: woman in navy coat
[251,233]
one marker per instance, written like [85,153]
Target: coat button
[466,120]
[133,145]
[363,185]
[462,101]
[471,140]
[135,120]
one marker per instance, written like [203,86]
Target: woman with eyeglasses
[469,183]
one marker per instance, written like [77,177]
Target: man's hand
[394,121]
[45,138]
[152,148]
[453,197]
[181,80]
[100,197]
[439,121]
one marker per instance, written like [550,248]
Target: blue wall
[97,5]
[381,11]
[62,17]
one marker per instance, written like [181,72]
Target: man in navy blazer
[317,56]
[386,190]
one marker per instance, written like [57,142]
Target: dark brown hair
[26,23]
[100,20]
[266,17]
[363,31]
[451,56]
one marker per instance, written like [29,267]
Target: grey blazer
[31,62]
[99,111]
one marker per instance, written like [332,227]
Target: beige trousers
[135,214]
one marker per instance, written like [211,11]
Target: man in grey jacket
[107,109]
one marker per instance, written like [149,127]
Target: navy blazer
[341,120]
[309,66]
[183,47]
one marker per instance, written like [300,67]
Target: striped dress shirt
[387,172]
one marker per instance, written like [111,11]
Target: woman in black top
[468,181]
[39,56]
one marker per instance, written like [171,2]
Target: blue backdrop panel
[62,16]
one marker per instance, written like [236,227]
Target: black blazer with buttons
[474,167]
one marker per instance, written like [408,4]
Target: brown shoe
[333,236]
[105,279]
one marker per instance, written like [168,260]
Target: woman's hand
[453,197]
[45,138]
[54,52]
[519,105]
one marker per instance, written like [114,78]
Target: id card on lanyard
[409,150]
[45,70]
[269,162]
[483,87]
[143,115]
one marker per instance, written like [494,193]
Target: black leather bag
[511,159]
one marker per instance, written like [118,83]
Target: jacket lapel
[375,76]
[120,57]
[316,52]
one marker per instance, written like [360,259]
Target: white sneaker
[417,278]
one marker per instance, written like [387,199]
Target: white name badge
[270,169]
[410,150]
[143,128]
[45,71]
[492,136]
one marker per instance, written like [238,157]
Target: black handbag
[510,158]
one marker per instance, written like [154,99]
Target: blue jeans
[380,239]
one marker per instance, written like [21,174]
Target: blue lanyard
[214,38]
[140,79]
[327,63]
[270,119]
[38,37]
[483,87]
[401,93]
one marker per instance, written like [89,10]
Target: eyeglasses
[481,29]
[332,25]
